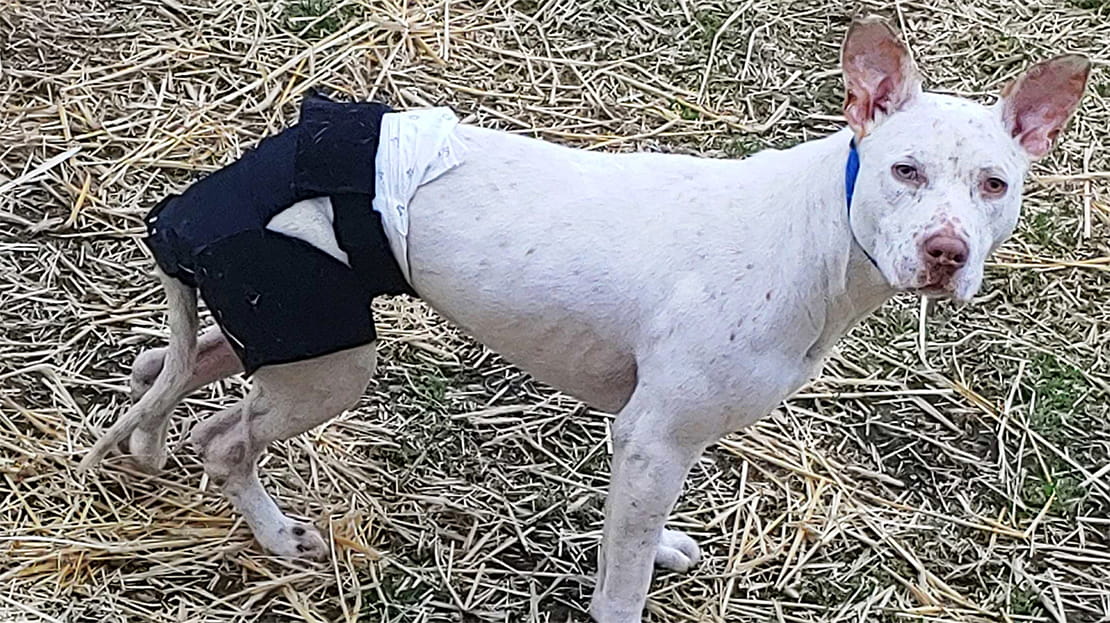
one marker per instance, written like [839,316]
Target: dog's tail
[172,381]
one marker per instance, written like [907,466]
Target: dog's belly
[561,352]
[557,344]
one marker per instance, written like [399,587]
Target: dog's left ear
[879,75]
[1037,105]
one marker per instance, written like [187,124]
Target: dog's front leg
[651,457]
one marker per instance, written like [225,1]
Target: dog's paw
[677,552]
[146,451]
[297,540]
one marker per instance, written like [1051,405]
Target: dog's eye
[994,187]
[906,173]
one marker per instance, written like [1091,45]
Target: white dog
[689,296]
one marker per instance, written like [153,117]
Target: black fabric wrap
[280,299]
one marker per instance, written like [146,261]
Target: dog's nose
[945,250]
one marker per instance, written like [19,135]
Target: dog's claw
[677,552]
[297,540]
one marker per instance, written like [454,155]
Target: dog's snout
[945,251]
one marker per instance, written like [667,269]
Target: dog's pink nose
[945,251]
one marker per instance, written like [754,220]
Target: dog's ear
[1037,105]
[879,75]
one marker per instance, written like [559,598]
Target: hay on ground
[951,463]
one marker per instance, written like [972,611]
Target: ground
[950,464]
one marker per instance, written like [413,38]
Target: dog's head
[940,177]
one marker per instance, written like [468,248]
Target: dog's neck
[852,285]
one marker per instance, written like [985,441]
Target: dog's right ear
[879,75]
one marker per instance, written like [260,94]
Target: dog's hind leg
[215,360]
[285,400]
[180,359]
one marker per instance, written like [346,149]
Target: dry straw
[951,464]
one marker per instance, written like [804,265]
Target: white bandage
[415,148]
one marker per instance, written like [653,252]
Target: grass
[313,20]
[1093,5]
[710,22]
[741,146]
[1046,231]
[1059,386]
[1064,492]
[432,388]
[1024,602]
[685,111]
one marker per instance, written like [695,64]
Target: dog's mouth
[941,290]
[952,288]
[934,286]
[940,282]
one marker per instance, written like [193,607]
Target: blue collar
[851,172]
